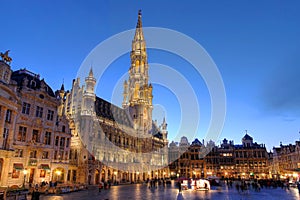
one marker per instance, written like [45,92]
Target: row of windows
[38,112]
[16,173]
[36,137]
[33,154]
[58,155]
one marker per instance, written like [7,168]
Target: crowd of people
[256,185]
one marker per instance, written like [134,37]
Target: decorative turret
[164,130]
[61,96]
[89,96]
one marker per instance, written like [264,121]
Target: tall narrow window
[47,139]
[35,135]
[39,111]
[26,108]
[55,155]
[8,116]
[50,115]
[68,142]
[68,175]
[74,175]
[56,141]
[22,134]
[5,138]
[63,129]
[62,142]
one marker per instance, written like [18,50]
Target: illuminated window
[15,173]
[19,153]
[45,155]
[43,173]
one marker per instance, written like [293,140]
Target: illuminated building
[36,138]
[251,159]
[113,143]
[248,160]
[286,161]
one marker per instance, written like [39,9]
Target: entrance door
[97,177]
[31,175]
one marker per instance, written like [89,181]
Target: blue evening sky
[255,45]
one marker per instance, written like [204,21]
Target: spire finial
[139,23]
[62,88]
[91,74]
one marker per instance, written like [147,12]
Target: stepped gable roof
[112,112]
[31,80]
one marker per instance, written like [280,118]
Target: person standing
[100,186]
[179,186]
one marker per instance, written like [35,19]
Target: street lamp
[115,176]
[24,172]
[58,173]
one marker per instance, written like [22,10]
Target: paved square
[139,191]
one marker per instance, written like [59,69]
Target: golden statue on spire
[5,57]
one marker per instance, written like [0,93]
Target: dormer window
[32,83]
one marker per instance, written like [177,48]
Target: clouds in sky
[281,92]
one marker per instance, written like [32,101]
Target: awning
[45,167]
[18,166]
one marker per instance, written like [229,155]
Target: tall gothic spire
[137,90]
[139,36]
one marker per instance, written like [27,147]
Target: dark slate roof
[196,142]
[20,75]
[253,146]
[247,137]
[158,135]
[112,112]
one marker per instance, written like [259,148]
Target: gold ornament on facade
[5,57]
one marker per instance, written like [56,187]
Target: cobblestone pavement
[128,192]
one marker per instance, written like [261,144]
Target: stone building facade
[286,161]
[36,138]
[248,160]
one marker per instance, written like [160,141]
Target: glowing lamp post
[58,173]
[115,176]
[24,172]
